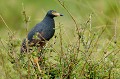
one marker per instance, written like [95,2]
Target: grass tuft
[87,56]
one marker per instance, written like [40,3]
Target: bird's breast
[48,33]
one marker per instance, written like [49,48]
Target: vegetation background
[97,38]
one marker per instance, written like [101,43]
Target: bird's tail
[23,47]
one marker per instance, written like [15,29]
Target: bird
[42,32]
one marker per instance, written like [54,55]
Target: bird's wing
[37,40]
[35,30]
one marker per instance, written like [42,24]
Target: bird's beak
[57,14]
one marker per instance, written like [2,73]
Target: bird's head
[53,13]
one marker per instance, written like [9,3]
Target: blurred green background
[104,12]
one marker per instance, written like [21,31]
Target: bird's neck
[49,20]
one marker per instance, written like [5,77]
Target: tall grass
[87,56]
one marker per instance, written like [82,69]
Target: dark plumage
[43,30]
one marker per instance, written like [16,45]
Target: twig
[77,28]
[6,24]
[115,32]
[106,57]
[62,4]
[61,47]
[97,40]
[26,25]
[3,44]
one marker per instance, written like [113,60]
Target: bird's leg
[38,66]
[36,60]
[38,56]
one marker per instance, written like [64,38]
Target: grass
[89,55]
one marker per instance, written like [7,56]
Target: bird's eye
[53,11]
